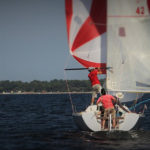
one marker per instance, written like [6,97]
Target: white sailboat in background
[111,34]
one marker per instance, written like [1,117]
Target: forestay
[128,44]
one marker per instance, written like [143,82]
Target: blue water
[44,122]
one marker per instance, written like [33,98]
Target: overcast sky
[33,41]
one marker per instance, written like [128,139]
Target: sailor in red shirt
[96,85]
[108,106]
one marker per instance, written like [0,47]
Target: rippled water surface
[44,122]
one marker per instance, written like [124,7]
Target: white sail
[128,45]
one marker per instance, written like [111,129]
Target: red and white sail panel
[86,30]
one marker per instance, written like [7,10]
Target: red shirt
[106,101]
[93,77]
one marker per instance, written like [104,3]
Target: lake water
[44,122]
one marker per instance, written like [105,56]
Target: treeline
[45,86]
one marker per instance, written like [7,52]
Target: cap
[119,95]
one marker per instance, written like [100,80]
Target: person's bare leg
[92,101]
[114,123]
[103,123]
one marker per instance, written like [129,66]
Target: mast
[106,42]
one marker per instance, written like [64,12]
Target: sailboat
[113,35]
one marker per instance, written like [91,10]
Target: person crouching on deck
[96,85]
[108,105]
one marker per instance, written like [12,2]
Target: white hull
[88,120]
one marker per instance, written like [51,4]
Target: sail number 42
[140,10]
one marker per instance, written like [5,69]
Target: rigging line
[69,93]
[135,101]
[70,98]
[139,104]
